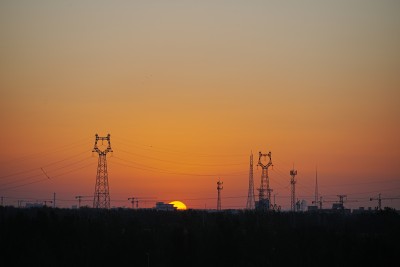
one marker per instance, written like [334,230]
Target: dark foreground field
[87,237]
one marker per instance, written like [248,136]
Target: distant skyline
[188,89]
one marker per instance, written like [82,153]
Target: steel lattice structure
[101,197]
[264,196]
[250,194]
[219,188]
[293,173]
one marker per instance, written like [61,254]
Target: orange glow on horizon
[187,93]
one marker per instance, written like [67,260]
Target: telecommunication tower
[293,173]
[219,188]
[250,194]
[264,196]
[101,192]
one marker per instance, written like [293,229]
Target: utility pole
[250,194]
[54,200]
[2,201]
[264,196]
[101,197]
[219,188]
[293,173]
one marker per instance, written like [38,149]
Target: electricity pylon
[101,197]
[250,194]
[264,196]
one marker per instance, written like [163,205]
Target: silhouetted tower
[264,196]
[293,173]
[316,186]
[250,194]
[219,188]
[101,192]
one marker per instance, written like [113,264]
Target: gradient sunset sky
[187,89]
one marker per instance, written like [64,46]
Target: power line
[41,180]
[159,170]
[46,165]
[177,162]
[41,173]
[51,151]
[166,150]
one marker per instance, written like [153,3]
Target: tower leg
[101,192]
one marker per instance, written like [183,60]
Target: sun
[178,205]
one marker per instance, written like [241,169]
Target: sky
[189,89]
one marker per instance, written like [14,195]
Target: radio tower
[219,188]
[101,194]
[293,173]
[264,195]
[250,194]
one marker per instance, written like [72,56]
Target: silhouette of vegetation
[121,237]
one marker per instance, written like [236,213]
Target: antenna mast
[101,197]
[250,194]
[293,173]
[219,188]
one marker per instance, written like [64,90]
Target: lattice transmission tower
[264,196]
[250,194]
[219,188]
[293,173]
[101,197]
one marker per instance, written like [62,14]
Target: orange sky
[187,90]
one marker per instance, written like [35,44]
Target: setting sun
[178,205]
